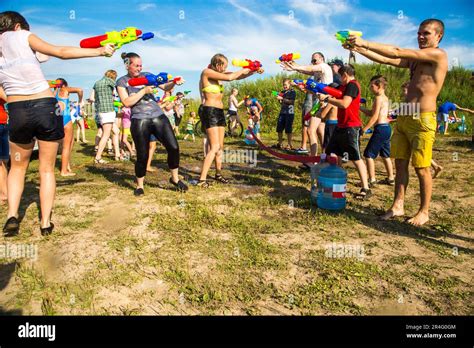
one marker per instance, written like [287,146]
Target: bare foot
[68,174]
[151,170]
[419,219]
[437,170]
[393,212]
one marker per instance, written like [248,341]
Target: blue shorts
[4,145]
[285,122]
[153,138]
[379,143]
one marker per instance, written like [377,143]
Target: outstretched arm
[304,69]
[399,63]
[431,55]
[464,109]
[65,52]
[228,76]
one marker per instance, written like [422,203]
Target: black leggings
[160,127]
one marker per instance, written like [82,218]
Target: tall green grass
[457,88]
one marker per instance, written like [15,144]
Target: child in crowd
[287,114]
[379,143]
[190,126]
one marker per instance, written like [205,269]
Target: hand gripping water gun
[322,88]
[344,34]
[118,38]
[253,65]
[288,57]
[153,80]
[313,111]
[118,104]
[277,94]
[55,83]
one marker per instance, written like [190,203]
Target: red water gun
[117,38]
[253,65]
[288,57]
[153,80]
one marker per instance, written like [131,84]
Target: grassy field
[253,247]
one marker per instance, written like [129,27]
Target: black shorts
[345,142]
[211,117]
[37,118]
[177,120]
[329,129]
[285,122]
[232,113]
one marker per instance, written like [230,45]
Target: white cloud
[245,10]
[460,55]
[146,6]
[288,21]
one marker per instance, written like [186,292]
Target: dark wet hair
[319,54]
[127,57]
[379,80]
[439,25]
[9,19]
[348,69]
[63,81]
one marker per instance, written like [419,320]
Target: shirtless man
[413,136]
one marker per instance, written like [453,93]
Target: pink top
[126,115]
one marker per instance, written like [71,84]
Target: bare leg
[20,158]
[3,182]
[401,185]
[304,137]
[47,159]
[290,136]
[106,129]
[313,137]
[362,170]
[436,167]
[66,152]
[115,140]
[370,168]
[280,138]
[214,147]
[388,167]
[83,130]
[320,132]
[426,185]
[218,160]
[446,124]
[149,168]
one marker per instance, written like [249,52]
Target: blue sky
[188,33]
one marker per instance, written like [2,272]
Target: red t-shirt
[349,117]
[3,113]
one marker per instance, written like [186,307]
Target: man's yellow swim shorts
[413,137]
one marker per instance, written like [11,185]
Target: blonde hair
[216,60]
[112,74]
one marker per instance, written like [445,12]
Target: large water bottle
[332,183]
[314,177]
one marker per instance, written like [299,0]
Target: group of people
[34,114]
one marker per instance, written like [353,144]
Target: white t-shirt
[20,71]
[232,106]
[324,76]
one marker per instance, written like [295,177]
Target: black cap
[337,62]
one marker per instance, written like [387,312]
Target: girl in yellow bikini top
[214,89]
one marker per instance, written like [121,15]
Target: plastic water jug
[315,170]
[332,183]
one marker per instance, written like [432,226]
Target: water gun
[313,111]
[118,104]
[186,92]
[117,38]
[316,87]
[288,57]
[55,83]
[253,65]
[300,83]
[277,94]
[153,80]
[170,99]
[344,34]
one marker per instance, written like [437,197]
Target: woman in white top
[233,108]
[322,73]
[33,111]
